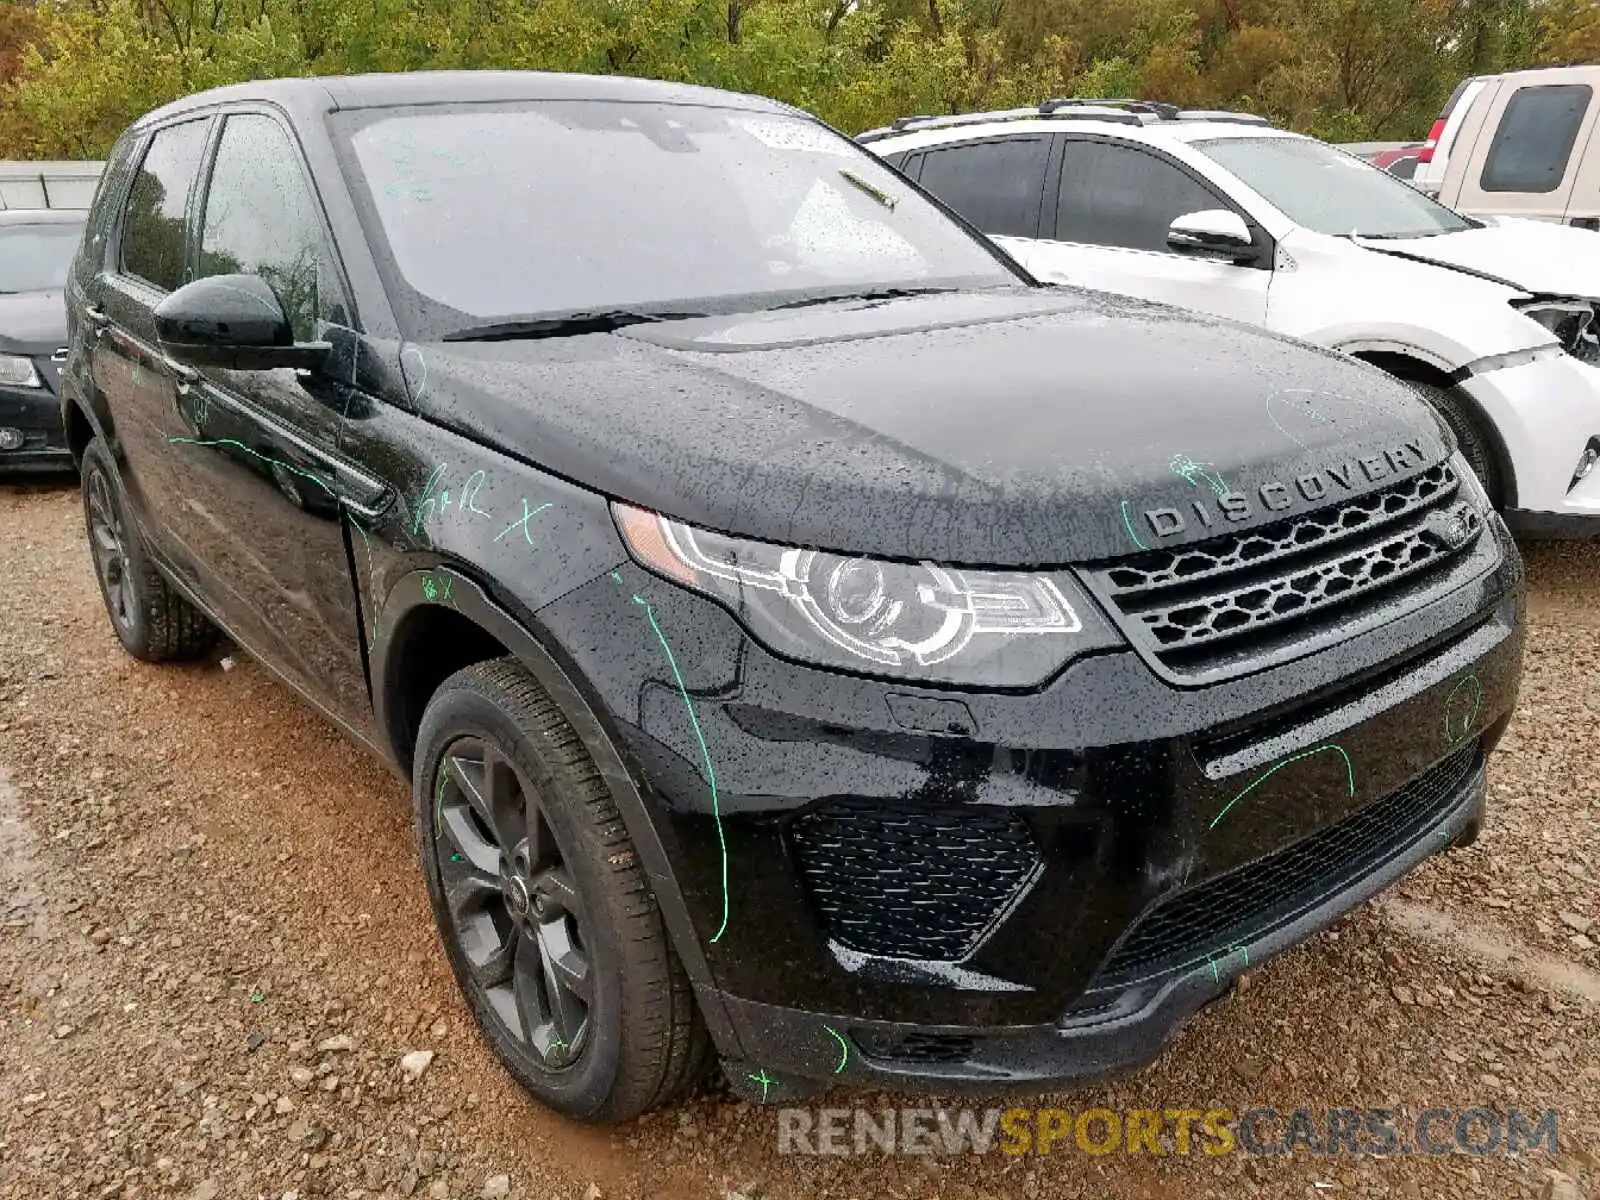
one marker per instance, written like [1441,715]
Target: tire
[151,618]
[535,885]
[1470,436]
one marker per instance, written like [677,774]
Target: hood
[33,322]
[1533,256]
[1024,427]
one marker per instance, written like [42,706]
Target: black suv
[809,641]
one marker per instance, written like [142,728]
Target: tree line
[73,73]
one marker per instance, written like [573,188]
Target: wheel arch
[1411,365]
[444,600]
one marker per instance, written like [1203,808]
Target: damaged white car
[1495,323]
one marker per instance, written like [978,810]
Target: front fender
[450,586]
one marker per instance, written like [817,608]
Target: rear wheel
[1470,436]
[550,925]
[152,620]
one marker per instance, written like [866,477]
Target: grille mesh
[907,881]
[1220,600]
[1244,903]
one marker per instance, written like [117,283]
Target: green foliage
[73,73]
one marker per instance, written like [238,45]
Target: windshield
[497,214]
[1329,191]
[35,258]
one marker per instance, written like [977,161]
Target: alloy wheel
[513,906]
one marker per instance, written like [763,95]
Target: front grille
[1228,601]
[902,880]
[915,1047]
[1243,904]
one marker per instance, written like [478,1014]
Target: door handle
[96,316]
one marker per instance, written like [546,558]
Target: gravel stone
[235,843]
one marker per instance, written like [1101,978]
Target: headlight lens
[917,621]
[17,372]
[1572,321]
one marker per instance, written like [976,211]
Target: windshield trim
[343,125]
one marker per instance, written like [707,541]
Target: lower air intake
[901,880]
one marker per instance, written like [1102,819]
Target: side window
[152,222]
[1531,148]
[1119,196]
[995,185]
[260,219]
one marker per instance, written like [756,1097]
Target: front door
[1107,229]
[265,487]
[144,261]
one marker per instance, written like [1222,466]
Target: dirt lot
[215,950]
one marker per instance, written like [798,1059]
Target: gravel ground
[215,951]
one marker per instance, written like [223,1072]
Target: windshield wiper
[877,193]
[890,293]
[566,325]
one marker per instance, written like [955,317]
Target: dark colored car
[36,249]
[808,639]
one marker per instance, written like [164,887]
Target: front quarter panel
[1342,296]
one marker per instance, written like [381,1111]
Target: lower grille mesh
[1244,903]
[909,881]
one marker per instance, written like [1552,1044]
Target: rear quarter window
[1535,138]
[996,185]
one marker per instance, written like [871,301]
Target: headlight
[17,372]
[917,621]
[1572,321]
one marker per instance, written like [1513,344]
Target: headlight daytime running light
[921,621]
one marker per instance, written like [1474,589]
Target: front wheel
[549,923]
[1471,437]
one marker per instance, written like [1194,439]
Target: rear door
[1107,229]
[1524,160]
[265,490]
[996,183]
[147,257]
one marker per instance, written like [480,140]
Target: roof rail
[1084,112]
[1231,118]
[1156,108]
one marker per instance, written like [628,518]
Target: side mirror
[233,321]
[1214,231]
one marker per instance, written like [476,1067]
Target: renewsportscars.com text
[1171,1131]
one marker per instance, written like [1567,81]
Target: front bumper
[897,885]
[1545,413]
[1111,1033]
[35,414]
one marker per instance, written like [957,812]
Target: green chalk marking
[1349,771]
[1470,678]
[527,516]
[766,1081]
[469,493]
[238,445]
[372,580]
[1127,523]
[426,503]
[844,1048]
[705,753]
[617,575]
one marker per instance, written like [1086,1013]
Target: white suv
[1495,325]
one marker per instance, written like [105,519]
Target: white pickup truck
[48,184]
